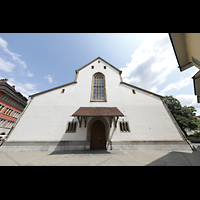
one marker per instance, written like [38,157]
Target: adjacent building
[12,103]
[187,51]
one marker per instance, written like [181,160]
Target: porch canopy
[111,112]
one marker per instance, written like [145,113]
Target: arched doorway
[98,136]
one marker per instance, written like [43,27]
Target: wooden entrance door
[98,136]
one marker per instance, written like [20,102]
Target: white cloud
[29,74]
[15,56]
[25,89]
[151,62]
[189,100]
[6,66]
[13,60]
[177,85]
[3,43]
[49,78]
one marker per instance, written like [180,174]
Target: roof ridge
[95,60]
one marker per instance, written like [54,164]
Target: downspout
[17,120]
[178,127]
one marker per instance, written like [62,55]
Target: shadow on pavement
[175,158]
[80,152]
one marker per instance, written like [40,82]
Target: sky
[35,62]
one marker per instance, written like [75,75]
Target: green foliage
[196,134]
[184,115]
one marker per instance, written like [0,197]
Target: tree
[185,116]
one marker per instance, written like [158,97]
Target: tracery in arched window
[98,88]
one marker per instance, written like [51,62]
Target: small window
[14,103]
[2,121]
[63,90]
[124,126]
[8,111]
[6,98]
[21,107]
[1,107]
[92,67]
[9,124]
[16,114]
[71,128]
[104,67]
[98,61]
[133,91]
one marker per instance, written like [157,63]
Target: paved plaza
[101,158]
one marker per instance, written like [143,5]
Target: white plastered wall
[48,114]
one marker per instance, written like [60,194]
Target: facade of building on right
[187,50]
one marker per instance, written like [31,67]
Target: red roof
[98,111]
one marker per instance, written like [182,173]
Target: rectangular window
[1,107]
[71,128]
[63,90]
[16,114]
[9,124]
[2,121]
[8,111]
[6,98]
[124,126]
[14,103]
[21,107]
[133,91]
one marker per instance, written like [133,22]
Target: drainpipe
[178,127]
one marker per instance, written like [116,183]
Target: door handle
[98,138]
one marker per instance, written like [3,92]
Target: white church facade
[96,111]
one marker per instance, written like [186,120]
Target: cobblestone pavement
[101,158]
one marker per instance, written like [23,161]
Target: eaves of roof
[7,89]
[36,94]
[178,50]
[98,111]
[33,95]
[152,93]
[95,60]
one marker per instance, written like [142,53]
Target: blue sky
[35,62]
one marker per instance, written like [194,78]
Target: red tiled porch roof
[98,111]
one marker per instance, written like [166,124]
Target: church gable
[85,77]
[98,60]
[98,65]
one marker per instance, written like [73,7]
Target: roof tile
[98,111]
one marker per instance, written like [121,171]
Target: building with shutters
[12,103]
[96,111]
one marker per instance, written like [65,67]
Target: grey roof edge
[160,96]
[95,60]
[36,94]
[172,42]
[6,88]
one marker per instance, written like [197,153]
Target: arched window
[98,88]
